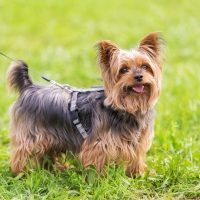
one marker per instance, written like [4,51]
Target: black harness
[74,109]
[73,103]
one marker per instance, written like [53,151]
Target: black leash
[43,77]
[9,58]
[65,86]
[74,91]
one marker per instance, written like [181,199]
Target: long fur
[17,77]
[119,124]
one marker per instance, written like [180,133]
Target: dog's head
[132,79]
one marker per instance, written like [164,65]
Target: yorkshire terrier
[113,124]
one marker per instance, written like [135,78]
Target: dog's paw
[136,170]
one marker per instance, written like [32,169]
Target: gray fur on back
[46,109]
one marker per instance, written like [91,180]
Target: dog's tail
[17,77]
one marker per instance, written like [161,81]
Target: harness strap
[75,117]
[73,106]
[92,89]
[73,101]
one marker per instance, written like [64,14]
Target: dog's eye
[124,70]
[145,67]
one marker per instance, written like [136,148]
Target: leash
[43,77]
[9,58]
[74,92]
[67,87]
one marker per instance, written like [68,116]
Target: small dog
[115,123]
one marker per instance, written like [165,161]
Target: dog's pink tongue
[138,88]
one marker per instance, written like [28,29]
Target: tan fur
[149,51]
[108,147]
[26,150]
[126,151]
[31,139]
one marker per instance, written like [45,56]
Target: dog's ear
[152,44]
[106,50]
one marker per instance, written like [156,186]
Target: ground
[57,39]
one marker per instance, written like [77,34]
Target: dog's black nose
[138,78]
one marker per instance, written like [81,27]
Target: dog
[99,125]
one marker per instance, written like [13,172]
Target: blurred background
[57,38]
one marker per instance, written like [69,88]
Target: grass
[56,38]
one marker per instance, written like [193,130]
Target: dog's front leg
[138,166]
[92,153]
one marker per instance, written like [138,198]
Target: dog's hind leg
[20,153]
[29,151]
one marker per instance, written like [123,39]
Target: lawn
[57,40]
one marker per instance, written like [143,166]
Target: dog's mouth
[137,88]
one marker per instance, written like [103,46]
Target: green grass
[56,38]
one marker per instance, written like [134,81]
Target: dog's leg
[19,158]
[138,166]
[52,160]
[22,153]
[30,151]
[93,153]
